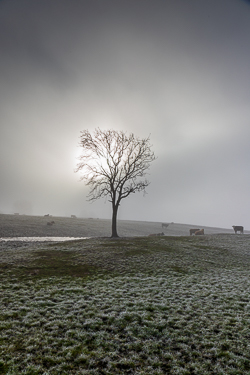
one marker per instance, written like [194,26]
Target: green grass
[167,305]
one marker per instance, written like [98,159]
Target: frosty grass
[167,305]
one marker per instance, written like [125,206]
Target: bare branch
[114,164]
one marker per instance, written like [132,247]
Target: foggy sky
[175,69]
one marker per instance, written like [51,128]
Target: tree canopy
[114,164]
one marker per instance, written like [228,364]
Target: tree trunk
[114,220]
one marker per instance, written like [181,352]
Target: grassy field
[36,226]
[145,305]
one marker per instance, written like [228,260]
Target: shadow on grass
[99,256]
[50,263]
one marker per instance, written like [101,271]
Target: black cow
[238,229]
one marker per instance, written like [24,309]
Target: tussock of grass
[135,306]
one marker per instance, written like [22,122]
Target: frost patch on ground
[181,306]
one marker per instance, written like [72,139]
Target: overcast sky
[176,69]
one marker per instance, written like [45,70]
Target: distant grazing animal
[199,232]
[73,216]
[192,231]
[156,234]
[50,222]
[238,229]
[46,215]
[164,225]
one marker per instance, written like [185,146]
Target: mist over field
[176,70]
[26,227]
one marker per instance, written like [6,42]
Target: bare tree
[114,164]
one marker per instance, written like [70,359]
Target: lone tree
[114,164]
